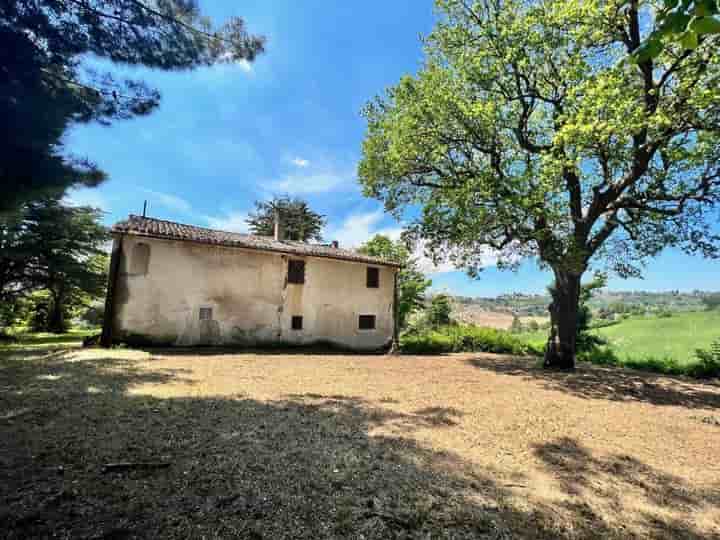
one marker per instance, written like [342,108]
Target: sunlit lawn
[27,339]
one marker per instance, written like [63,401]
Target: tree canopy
[533,129]
[412,283]
[47,86]
[53,247]
[298,221]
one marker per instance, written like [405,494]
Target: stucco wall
[160,290]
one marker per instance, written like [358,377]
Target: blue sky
[290,123]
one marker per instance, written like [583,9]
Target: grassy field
[658,338]
[214,444]
[674,337]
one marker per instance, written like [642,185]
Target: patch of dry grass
[343,446]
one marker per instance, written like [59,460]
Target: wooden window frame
[296,322]
[205,314]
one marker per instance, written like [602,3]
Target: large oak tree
[535,129]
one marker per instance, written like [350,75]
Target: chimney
[334,244]
[277,225]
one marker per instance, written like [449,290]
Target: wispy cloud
[359,228]
[85,197]
[233,222]
[300,162]
[298,183]
[167,200]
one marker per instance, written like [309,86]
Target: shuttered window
[296,271]
[373,277]
[206,314]
[366,322]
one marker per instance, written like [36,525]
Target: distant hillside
[535,305]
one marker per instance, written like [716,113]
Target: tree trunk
[560,351]
[56,317]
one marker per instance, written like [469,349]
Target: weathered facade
[174,284]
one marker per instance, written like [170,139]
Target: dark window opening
[296,322]
[373,278]
[206,314]
[366,322]
[296,271]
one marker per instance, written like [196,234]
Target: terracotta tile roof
[169,230]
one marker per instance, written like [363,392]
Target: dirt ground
[341,446]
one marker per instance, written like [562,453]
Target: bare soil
[343,446]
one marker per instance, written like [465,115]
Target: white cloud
[359,228]
[85,197]
[233,222]
[299,162]
[168,200]
[427,265]
[244,65]
[311,183]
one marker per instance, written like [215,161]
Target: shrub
[439,310]
[465,338]
[708,364]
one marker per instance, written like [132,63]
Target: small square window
[373,278]
[206,314]
[296,271]
[296,322]
[366,322]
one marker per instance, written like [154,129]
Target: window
[296,271]
[296,322]
[140,259]
[373,277]
[206,314]
[366,322]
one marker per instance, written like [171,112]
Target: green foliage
[529,132]
[439,311]
[297,221]
[464,338]
[516,327]
[58,249]
[412,283]
[706,365]
[46,88]
[686,22]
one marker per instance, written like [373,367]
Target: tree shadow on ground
[614,476]
[610,383]
[297,467]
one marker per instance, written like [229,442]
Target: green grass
[675,337]
[73,338]
[660,344]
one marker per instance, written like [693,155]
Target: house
[176,284]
